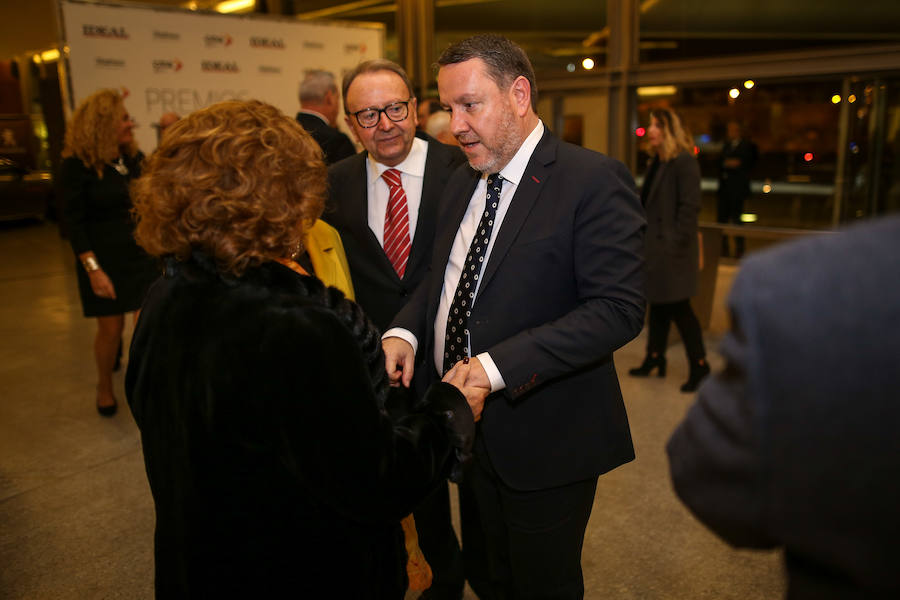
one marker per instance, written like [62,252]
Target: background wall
[181,61]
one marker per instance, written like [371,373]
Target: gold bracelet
[90,264]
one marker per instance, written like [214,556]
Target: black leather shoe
[698,372]
[650,363]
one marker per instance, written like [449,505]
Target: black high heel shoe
[108,410]
[650,363]
[699,371]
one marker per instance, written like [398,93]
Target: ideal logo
[114,63]
[104,31]
[354,48]
[167,65]
[218,66]
[217,40]
[263,42]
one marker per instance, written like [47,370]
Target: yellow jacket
[326,253]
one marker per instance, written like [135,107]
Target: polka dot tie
[456,342]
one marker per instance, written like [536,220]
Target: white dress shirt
[512,174]
[412,175]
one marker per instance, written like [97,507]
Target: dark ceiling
[554,32]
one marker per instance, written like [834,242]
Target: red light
[696,150]
[640,131]
[808,157]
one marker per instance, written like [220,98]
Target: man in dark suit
[319,104]
[536,279]
[795,443]
[738,157]
[384,203]
[359,194]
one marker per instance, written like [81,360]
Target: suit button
[404,293]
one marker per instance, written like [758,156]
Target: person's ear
[520,92]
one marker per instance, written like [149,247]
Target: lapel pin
[536,180]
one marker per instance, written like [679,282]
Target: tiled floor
[76,517]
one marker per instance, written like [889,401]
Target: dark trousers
[729,209]
[688,327]
[439,545]
[532,539]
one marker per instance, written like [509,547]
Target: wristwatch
[90,264]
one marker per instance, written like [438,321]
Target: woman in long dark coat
[100,160]
[671,197]
[275,470]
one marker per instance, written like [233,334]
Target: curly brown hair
[239,181]
[92,133]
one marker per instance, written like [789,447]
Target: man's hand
[472,381]
[399,357]
[101,284]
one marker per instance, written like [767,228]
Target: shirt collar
[515,168]
[413,164]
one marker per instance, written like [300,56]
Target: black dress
[275,471]
[98,212]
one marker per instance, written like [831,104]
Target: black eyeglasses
[395,111]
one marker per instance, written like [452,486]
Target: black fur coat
[274,468]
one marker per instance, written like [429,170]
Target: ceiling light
[588,63]
[734,93]
[749,84]
[230,6]
[656,90]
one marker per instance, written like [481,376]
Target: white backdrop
[172,60]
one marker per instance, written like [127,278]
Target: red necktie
[396,223]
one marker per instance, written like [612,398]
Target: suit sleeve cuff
[403,334]
[492,371]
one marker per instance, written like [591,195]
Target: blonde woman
[671,198]
[100,159]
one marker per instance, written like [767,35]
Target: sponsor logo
[187,100]
[213,40]
[105,31]
[219,66]
[166,35]
[271,70]
[113,63]
[264,42]
[354,48]
[308,45]
[163,65]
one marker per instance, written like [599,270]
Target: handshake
[467,375]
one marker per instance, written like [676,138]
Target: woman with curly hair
[259,392]
[671,197]
[100,159]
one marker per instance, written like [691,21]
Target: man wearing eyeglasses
[384,204]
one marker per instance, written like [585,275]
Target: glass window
[691,29]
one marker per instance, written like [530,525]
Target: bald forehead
[376,89]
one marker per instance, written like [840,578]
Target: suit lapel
[361,217]
[435,162]
[533,181]
[448,224]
